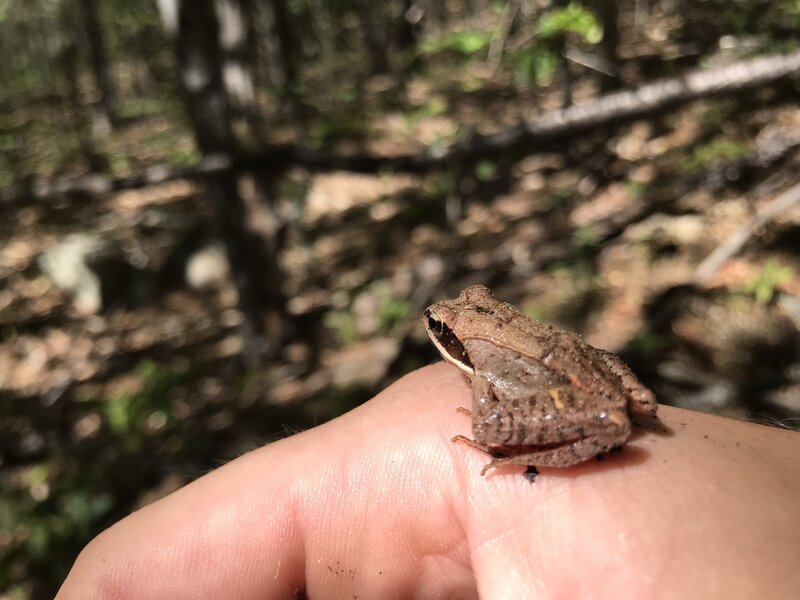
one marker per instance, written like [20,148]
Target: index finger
[363,505]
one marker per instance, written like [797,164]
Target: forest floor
[106,412]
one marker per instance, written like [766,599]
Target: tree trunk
[99,61]
[373,33]
[90,125]
[252,254]
[237,69]
[405,30]
[406,33]
[560,46]
[283,50]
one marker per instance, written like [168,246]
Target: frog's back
[563,352]
[503,325]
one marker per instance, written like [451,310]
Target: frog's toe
[643,402]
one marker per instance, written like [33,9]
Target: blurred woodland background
[221,219]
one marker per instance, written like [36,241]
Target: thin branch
[592,61]
[500,37]
[97,184]
[737,241]
[548,131]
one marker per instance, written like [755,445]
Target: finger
[359,507]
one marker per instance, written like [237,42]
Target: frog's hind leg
[565,455]
[642,400]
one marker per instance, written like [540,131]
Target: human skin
[378,503]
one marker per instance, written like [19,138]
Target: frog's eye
[446,342]
[435,323]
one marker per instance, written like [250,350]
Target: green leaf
[343,325]
[635,188]
[470,42]
[485,170]
[392,311]
[127,413]
[36,475]
[118,414]
[463,42]
[772,276]
[536,67]
[718,149]
[433,108]
[39,540]
[585,236]
[650,344]
[574,18]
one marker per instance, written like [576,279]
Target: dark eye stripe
[454,348]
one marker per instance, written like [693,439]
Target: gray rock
[87,267]
[207,268]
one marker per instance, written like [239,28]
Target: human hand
[378,503]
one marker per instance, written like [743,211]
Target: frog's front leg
[462,439]
[481,392]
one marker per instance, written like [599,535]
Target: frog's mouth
[446,342]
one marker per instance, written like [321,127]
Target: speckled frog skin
[540,395]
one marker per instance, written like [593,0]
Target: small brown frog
[540,395]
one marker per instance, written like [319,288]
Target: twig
[736,242]
[500,37]
[543,134]
[591,61]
